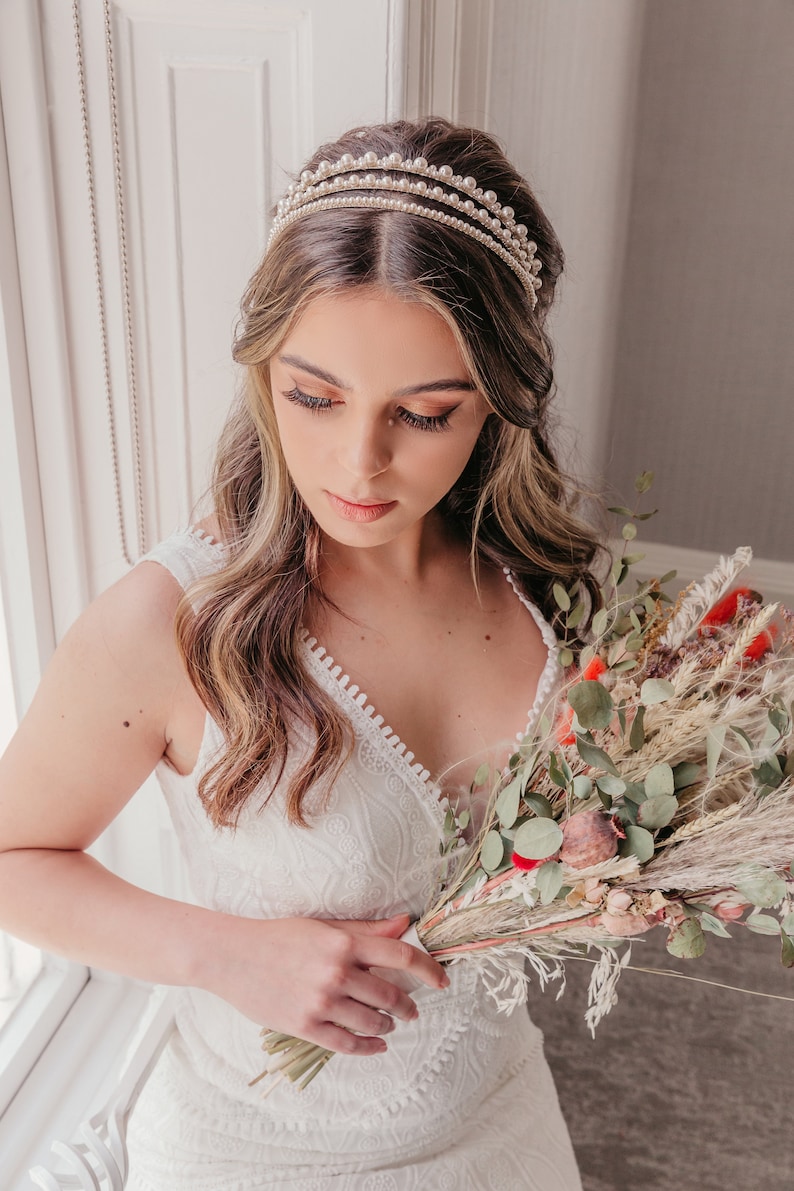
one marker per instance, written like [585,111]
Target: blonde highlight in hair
[240,631]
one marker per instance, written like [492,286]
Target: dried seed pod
[589,837]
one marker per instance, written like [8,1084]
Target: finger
[375,952]
[381,993]
[334,1037]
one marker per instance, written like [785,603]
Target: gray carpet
[685,1087]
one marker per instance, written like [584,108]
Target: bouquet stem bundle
[657,791]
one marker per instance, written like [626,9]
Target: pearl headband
[484,217]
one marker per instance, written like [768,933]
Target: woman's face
[376,412]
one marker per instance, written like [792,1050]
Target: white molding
[447,59]
[26,126]
[773,578]
[84,1087]
[96,1156]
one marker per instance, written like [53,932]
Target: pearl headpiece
[481,216]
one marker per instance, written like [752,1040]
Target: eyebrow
[446,385]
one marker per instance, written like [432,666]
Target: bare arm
[105,713]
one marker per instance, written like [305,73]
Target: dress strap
[188,554]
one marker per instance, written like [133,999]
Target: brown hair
[242,644]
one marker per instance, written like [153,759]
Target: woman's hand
[313,978]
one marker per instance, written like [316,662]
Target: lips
[360,509]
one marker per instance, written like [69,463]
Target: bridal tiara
[482,217]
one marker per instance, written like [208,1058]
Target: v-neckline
[375,724]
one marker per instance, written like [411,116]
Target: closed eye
[416,421]
[423,422]
[315,404]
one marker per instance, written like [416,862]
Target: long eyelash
[420,422]
[315,404]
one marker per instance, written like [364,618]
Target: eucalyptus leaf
[592,703]
[633,644]
[762,924]
[667,577]
[463,820]
[656,690]
[482,774]
[629,531]
[635,620]
[556,773]
[561,597]
[492,852]
[631,559]
[565,657]
[614,786]
[506,805]
[623,572]
[650,605]
[538,839]
[657,811]
[575,618]
[686,773]
[768,773]
[620,510]
[582,786]
[715,739]
[638,842]
[600,622]
[659,780]
[686,939]
[548,880]
[743,738]
[637,733]
[646,516]
[787,924]
[626,664]
[591,754]
[539,804]
[627,813]
[786,950]
[606,800]
[586,656]
[761,886]
[635,792]
[643,481]
[711,923]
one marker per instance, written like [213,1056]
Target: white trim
[773,578]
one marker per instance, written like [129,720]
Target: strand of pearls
[481,216]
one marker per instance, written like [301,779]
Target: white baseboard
[772,578]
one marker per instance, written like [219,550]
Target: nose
[365,451]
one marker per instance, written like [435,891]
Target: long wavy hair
[240,630]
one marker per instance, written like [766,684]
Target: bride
[315,671]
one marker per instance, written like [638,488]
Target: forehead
[371,332]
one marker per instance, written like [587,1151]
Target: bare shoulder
[99,721]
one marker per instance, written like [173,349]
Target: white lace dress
[462,1100]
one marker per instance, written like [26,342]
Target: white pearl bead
[370,158]
[346,159]
[395,159]
[444,171]
[420,163]
[437,192]
[469,183]
[421,187]
[489,196]
[508,213]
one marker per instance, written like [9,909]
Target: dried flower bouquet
[657,790]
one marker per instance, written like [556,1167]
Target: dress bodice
[372,852]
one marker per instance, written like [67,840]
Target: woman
[386,466]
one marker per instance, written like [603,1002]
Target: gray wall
[703,373]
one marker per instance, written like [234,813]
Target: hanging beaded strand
[480,215]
